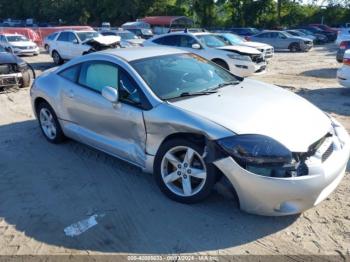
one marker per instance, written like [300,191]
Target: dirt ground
[44,188]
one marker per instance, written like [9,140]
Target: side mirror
[75,41]
[111,94]
[196,46]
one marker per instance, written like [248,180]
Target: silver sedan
[188,121]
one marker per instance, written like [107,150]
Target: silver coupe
[189,121]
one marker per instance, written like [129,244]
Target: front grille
[24,47]
[257,58]
[327,153]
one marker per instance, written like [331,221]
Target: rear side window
[171,40]
[52,36]
[108,33]
[64,36]
[97,75]
[71,73]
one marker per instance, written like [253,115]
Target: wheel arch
[220,60]
[37,102]
[202,140]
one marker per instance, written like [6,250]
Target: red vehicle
[325,28]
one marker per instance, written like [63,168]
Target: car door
[186,42]
[3,41]
[75,46]
[263,38]
[62,45]
[118,128]
[283,41]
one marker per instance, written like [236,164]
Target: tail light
[343,45]
[346,61]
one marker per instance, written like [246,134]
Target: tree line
[206,13]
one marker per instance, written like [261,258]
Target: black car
[14,71]
[244,31]
[344,45]
[331,36]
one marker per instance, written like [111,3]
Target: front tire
[25,79]
[294,47]
[57,58]
[181,172]
[49,124]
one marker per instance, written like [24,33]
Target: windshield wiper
[225,84]
[199,93]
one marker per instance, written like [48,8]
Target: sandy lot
[44,188]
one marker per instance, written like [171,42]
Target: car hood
[253,107]
[256,44]
[8,58]
[22,43]
[240,49]
[103,40]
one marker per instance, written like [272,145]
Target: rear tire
[181,172]
[57,59]
[49,124]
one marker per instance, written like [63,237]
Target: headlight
[239,57]
[262,155]
[339,131]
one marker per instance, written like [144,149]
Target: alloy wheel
[47,123]
[183,171]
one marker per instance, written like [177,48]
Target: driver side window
[128,91]
[97,75]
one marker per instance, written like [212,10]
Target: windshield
[305,31]
[173,75]
[16,38]
[87,35]
[211,41]
[287,34]
[127,35]
[234,39]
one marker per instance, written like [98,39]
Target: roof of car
[8,34]
[132,54]
[76,31]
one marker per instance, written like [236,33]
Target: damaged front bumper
[274,196]
[247,68]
